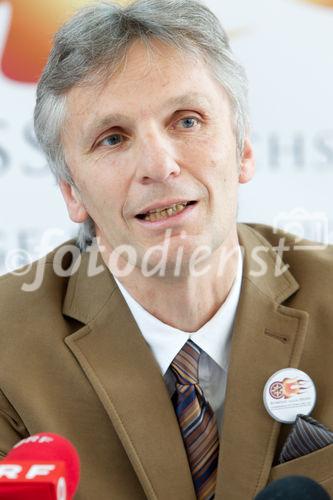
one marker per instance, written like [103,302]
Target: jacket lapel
[120,366]
[267,337]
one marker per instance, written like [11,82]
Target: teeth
[165,212]
[159,210]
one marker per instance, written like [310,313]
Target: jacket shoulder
[308,261]
[37,289]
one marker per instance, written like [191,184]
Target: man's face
[157,134]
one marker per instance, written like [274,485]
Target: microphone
[41,467]
[293,488]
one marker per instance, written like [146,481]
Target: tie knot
[186,364]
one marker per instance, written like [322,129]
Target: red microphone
[42,467]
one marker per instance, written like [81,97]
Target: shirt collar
[213,337]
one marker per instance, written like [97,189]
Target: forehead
[147,81]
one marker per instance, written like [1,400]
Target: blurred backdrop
[286,48]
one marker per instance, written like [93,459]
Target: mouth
[165,212]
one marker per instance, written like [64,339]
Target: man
[142,114]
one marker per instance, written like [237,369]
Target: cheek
[211,148]
[102,185]
[95,198]
[220,177]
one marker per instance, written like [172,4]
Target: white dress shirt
[213,338]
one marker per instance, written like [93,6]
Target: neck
[187,302]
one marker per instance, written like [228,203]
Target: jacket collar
[267,336]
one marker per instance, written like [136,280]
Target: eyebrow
[191,99]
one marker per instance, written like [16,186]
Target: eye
[112,140]
[189,121]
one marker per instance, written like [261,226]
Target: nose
[156,160]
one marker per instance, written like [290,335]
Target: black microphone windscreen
[293,488]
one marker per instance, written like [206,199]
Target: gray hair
[95,41]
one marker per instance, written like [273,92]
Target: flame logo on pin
[287,388]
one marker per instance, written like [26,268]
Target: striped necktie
[196,421]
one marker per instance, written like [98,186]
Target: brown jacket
[73,362]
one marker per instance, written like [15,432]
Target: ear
[247,166]
[75,207]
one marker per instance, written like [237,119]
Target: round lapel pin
[288,393]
